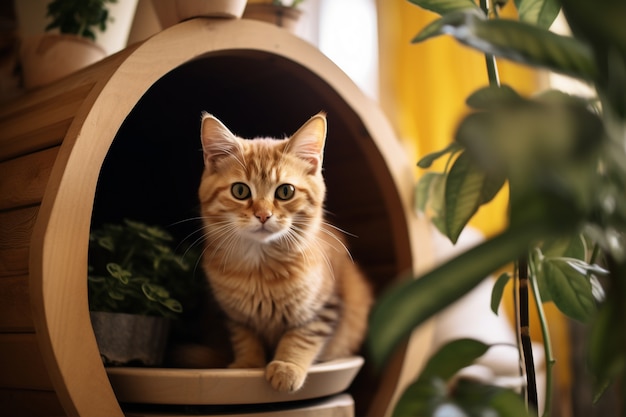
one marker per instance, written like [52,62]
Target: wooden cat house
[121,138]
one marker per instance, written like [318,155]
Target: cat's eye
[285,191]
[240,191]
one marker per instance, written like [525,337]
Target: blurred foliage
[564,159]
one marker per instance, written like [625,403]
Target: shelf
[225,386]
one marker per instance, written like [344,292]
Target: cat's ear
[217,141]
[308,142]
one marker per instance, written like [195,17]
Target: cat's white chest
[277,303]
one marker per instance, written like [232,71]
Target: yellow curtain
[423,88]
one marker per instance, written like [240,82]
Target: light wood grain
[16,227]
[41,125]
[23,180]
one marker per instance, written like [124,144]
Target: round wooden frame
[109,91]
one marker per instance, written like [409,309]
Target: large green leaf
[423,190]
[428,160]
[607,344]
[601,23]
[423,398]
[452,357]
[549,155]
[480,400]
[468,186]
[570,290]
[435,204]
[516,41]
[492,96]
[538,12]
[498,291]
[429,392]
[433,393]
[446,24]
[560,247]
[407,305]
[444,7]
[566,246]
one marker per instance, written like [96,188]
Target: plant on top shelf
[294,3]
[134,269]
[79,17]
[51,56]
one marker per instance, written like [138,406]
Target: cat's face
[261,190]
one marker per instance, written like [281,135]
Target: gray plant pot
[129,338]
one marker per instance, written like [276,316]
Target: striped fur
[281,274]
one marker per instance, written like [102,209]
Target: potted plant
[281,13]
[135,282]
[563,159]
[50,56]
[171,12]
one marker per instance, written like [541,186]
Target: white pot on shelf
[281,16]
[171,12]
[48,57]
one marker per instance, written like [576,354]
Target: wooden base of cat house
[121,139]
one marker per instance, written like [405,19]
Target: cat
[282,275]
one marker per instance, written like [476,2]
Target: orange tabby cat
[280,273]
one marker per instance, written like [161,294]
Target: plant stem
[527,349]
[516,309]
[594,254]
[492,70]
[547,345]
[524,327]
[490,60]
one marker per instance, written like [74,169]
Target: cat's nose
[263,215]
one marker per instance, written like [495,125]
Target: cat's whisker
[345,232]
[301,232]
[294,242]
[196,240]
[222,235]
[189,219]
[334,236]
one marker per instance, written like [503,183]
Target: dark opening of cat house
[153,168]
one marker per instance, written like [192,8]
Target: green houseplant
[172,12]
[564,160]
[79,17]
[50,56]
[282,13]
[136,277]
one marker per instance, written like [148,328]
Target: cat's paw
[285,376]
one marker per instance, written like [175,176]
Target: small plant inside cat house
[136,278]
